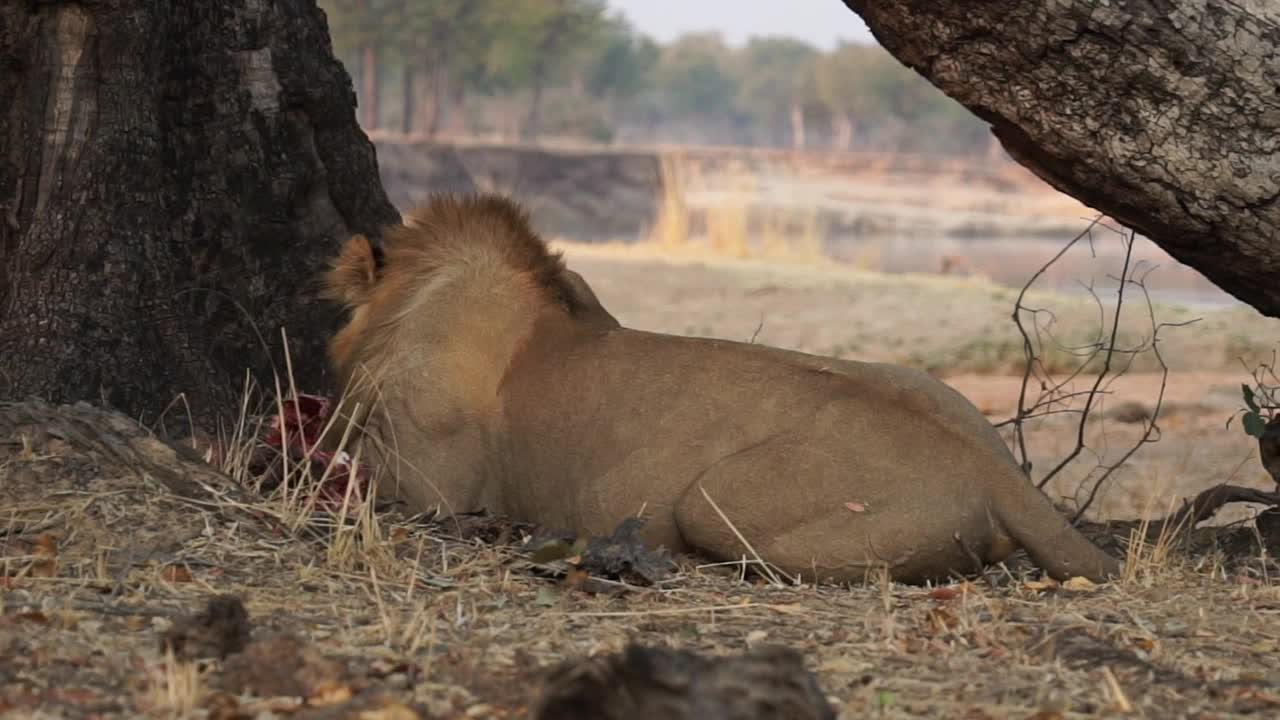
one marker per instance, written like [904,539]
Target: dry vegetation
[111,539]
[113,542]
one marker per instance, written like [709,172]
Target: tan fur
[489,376]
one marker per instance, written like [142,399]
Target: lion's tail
[1049,539]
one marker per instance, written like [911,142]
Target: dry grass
[455,621]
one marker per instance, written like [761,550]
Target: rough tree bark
[1165,115]
[172,179]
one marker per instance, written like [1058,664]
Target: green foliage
[776,74]
[619,63]
[1255,416]
[693,76]
[510,54]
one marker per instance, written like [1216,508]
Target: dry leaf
[941,620]
[175,574]
[46,549]
[789,609]
[1040,585]
[856,507]
[1080,584]
[330,693]
[390,711]
[576,578]
[944,593]
[842,665]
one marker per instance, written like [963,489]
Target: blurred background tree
[572,70]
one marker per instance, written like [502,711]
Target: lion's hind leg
[809,533]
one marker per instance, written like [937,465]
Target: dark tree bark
[1164,115]
[174,176]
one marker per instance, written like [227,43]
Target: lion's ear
[354,273]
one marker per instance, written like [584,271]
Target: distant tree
[536,42]
[444,41]
[694,81]
[621,62]
[358,27]
[868,93]
[617,70]
[841,85]
[776,83]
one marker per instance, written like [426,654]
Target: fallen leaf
[941,620]
[840,665]
[175,574]
[46,552]
[546,597]
[330,693]
[390,711]
[856,507]
[576,578]
[1079,584]
[552,551]
[1040,585]
[789,608]
[944,593]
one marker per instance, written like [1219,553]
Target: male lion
[485,374]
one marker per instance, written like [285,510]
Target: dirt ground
[109,539]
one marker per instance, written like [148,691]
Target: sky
[820,22]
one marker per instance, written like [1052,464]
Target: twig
[1107,356]
[1151,432]
[1019,435]
[764,567]
[1055,396]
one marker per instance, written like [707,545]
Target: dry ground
[103,550]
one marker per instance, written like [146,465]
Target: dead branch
[1057,396]
[1214,499]
[1029,350]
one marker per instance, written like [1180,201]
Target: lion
[483,374]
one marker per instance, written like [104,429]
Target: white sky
[820,22]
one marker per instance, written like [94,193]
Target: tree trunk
[533,121]
[439,91]
[409,107]
[1163,115]
[458,110]
[369,86]
[842,131]
[797,127]
[172,179]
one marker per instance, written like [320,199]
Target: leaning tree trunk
[1164,115]
[173,177]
